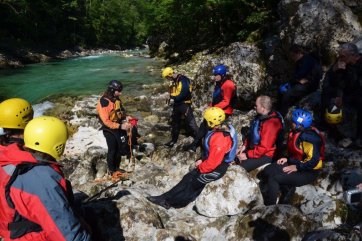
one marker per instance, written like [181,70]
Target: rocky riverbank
[10,58]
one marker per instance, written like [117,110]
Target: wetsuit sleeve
[182,90]
[104,109]
[227,89]
[304,68]
[268,136]
[219,146]
[332,83]
[39,197]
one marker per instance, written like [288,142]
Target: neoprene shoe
[159,200]
[191,148]
[287,195]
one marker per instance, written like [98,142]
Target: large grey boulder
[321,23]
[235,193]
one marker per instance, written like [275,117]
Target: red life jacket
[14,161]
[297,153]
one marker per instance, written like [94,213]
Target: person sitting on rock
[305,80]
[220,145]
[342,85]
[306,147]
[264,137]
[116,127]
[224,97]
[15,115]
[36,199]
[180,94]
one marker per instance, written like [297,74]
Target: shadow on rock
[264,231]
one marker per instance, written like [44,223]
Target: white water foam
[40,108]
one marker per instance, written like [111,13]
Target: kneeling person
[220,146]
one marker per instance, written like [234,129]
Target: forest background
[187,26]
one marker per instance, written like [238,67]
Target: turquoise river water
[78,76]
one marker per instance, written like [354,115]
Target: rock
[277,222]
[224,196]
[317,205]
[322,24]
[243,62]
[153,119]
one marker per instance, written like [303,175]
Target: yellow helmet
[333,117]
[46,134]
[214,116]
[15,113]
[167,72]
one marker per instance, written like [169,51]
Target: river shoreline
[12,59]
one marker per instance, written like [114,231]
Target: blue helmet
[302,118]
[284,88]
[219,70]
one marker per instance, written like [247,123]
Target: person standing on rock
[223,97]
[180,94]
[264,138]
[15,113]
[220,145]
[35,197]
[305,80]
[306,147]
[116,127]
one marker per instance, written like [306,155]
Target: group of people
[37,201]
[341,90]
[302,160]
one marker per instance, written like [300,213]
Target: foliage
[183,24]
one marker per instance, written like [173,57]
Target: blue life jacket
[255,128]
[230,156]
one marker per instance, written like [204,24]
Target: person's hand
[125,126]
[290,169]
[338,101]
[303,81]
[282,160]
[242,156]
[359,186]
[171,102]
[339,65]
[241,149]
[198,162]
[239,153]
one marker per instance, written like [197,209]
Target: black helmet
[115,85]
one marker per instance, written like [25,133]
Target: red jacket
[219,145]
[40,196]
[223,95]
[268,131]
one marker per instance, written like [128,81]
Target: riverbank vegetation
[182,24]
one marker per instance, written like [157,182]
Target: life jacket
[116,111]
[256,125]
[298,153]
[176,88]
[230,156]
[217,95]
[15,162]
[117,114]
